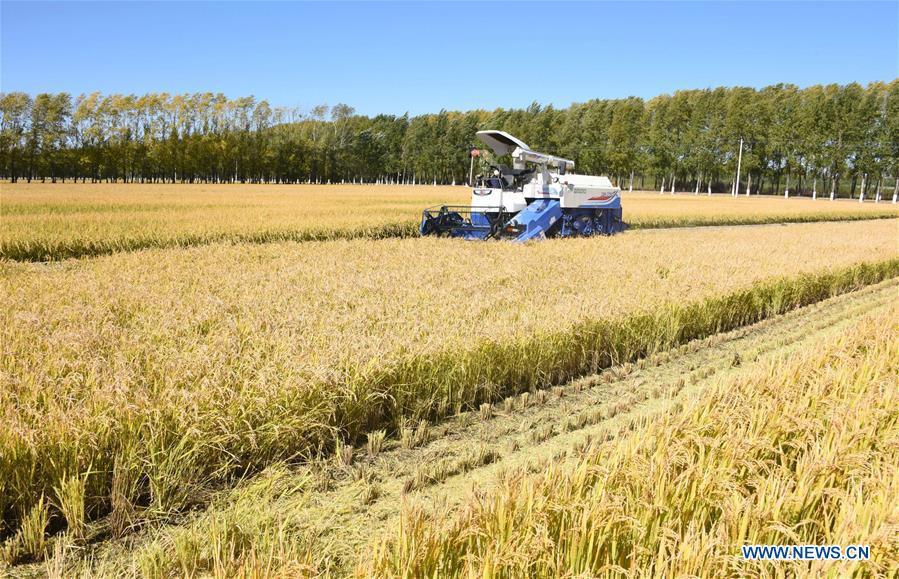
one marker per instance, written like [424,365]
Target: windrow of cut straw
[805,452]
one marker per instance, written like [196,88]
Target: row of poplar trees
[822,138]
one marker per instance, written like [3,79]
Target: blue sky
[397,57]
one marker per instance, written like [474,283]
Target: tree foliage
[821,134]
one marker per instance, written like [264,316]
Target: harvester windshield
[504,178]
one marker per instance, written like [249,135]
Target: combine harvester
[529,201]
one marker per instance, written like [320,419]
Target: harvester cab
[535,198]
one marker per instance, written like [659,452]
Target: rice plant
[370,493]
[30,541]
[375,442]
[70,501]
[343,453]
[407,437]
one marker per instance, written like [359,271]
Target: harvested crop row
[59,221]
[806,452]
[159,373]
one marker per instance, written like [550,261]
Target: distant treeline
[823,137]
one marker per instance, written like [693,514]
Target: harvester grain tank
[536,198]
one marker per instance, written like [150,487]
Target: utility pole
[739,163]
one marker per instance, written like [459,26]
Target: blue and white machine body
[535,199]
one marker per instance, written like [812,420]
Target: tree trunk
[815,187]
[748,183]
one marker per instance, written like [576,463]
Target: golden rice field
[805,452]
[132,384]
[57,221]
[357,511]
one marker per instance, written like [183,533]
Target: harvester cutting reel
[463,221]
